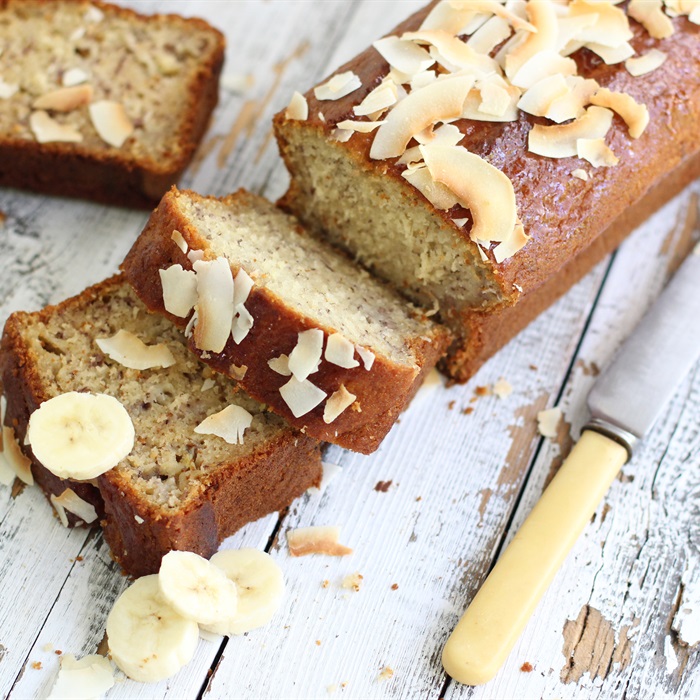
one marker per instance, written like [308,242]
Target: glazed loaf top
[563,202]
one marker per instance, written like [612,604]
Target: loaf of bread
[304,329]
[585,107]
[100,102]
[178,488]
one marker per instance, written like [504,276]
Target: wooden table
[428,513]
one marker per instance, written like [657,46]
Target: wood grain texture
[427,513]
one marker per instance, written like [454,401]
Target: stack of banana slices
[155,624]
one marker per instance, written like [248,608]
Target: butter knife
[624,404]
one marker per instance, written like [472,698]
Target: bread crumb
[58,652]
[325,583]
[547,421]
[353,581]
[482,391]
[419,498]
[502,388]
[318,642]
[394,586]
[451,405]
[385,674]
[526,667]
[468,410]
[36,665]
[382,486]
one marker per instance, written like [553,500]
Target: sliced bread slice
[177,489]
[303,328]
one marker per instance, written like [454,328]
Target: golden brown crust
[564,215]
[113,176]
[382,392]
[266,481]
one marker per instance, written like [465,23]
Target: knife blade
[624,404]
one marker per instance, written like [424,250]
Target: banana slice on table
[80,436]
[148,640]
[260,589]
[196,588]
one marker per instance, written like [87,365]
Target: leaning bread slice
[302,327]
[178,488]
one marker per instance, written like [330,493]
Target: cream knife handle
[489,628]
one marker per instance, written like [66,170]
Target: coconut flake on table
[329,472]
[71,502]
[337,403]
[230,424]
[20,464]
[502,388]
[130,351]
[301,397]
[548,422]
[306,355]
[338,86]
[82,679]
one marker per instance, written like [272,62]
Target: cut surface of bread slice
[326,346]
[101,102]
[177,489]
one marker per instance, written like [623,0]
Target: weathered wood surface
[622,618]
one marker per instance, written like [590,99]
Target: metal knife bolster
[631,393]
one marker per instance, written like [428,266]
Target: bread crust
[382,392]
[113,176]
[563,215]
[227,498]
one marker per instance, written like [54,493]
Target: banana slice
[260,589]
[148,640]
[80,436]
[197,589]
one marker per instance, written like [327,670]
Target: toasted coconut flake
[495,99]
[382,97]
[242,323]
[451,52]
[472,108]
[7,90]
[439,101]
[298,108]
[340,351]
[179,241]
[611,56]
[570,28]
[65,99]
[70,500]
[611,27]
[338,86]
[542,65]
[572,105]
[89,677]
[580,174]
[306,355]
[214,304]
[560,141]
[537,99]
[111,122]
[367,356]
[502,389]
[342,135]
[512,245]
[60,510]
[647,63]
[337,403]
[636,116]
[548,421]
[179,290]
[353,582]
[422,79]
[16,459]
[229,424]
[316,540]
[440,196]
[301,397]
[492,33]
[596,152]
[403,55]
[280,365]
[74,76]
[130,351]
[543,17]
[361,127]
[650,15]
[242,284]
[479,187]
[48,130]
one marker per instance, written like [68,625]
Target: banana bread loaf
[399,157]
[305,330]
[178,488]
[100,102]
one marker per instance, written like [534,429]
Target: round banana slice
[260,589]
[148,640]
[80,436]
[197,589]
